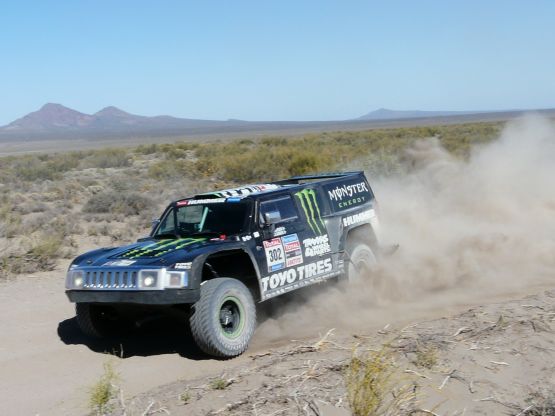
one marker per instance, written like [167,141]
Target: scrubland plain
[440,334]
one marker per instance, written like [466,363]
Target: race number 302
[275,256]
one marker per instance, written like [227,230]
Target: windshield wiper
[216,233]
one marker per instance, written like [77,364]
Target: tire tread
[200,320]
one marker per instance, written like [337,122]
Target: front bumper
[146,297]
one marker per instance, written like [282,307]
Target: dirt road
[47,366]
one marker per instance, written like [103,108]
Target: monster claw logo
[160,248]
[307,198]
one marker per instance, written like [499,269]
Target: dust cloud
[469,231]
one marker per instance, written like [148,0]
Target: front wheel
[224,318]
[96,320]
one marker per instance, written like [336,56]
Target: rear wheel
[361,262]
[224,318]
[96,320]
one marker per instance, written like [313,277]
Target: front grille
[110,279]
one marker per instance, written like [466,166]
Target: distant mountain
[50,116]
[56,120]
[385,114]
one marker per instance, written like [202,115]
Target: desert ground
[505,348]
[459,318]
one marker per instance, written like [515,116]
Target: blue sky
[281,60]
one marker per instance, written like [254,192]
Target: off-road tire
[209,332]
[92,320]
[360,262]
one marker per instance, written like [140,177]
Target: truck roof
[266,188]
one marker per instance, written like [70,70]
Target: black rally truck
[214,255]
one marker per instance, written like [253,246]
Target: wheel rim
[232,317]
[361,266]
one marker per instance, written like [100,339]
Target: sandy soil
[48,366]
[494,359]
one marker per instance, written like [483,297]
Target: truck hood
[155,252]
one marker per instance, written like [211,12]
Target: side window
[282,206]
[167,225]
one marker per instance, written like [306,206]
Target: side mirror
[271,218]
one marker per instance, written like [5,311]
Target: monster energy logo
[160,248]
[307,198]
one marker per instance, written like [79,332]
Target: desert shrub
[118,203]
[31,207]
[10,220]
[218,384]
[304,163]
[245,142]
[45,250]
[147,149]
[273,141]
[170,169]
[39,168]
[107,158]
[185,397]
[41,254]
[375,385]
[179,150]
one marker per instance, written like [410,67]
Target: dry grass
[541,404]
[426,356]
[185,397]
[218,384]
[104,390]
[375,385]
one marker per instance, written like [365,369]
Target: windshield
[205,218]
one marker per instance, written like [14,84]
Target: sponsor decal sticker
[184,266]
[293,278]
[246,238]
[201,201]
[292,248]
[358,218]
[280,231]
[256,234]
[119,263]
[309,203]
[275,256]
[246,190]
[317,246]
[348,195]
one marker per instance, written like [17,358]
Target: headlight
[150,279]
[75,279]
[161,278]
